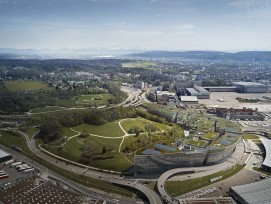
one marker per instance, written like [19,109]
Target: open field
[26,85]
[111,129]
[139,64]
[91,100]
[68,132]
[231,102]
[46,109]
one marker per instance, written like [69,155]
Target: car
[73,170]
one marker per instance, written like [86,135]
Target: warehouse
[253,193]
[4,156]
[250,87]
[221,88]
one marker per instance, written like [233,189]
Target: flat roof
[255,193]
[150,152]
[192,90]
[223,200]
[3,154]
[189,98]
[267,146]
[219,87]
[243,83]
[200,89]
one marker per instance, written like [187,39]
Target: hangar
[250,87]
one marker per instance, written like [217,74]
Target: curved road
[153,197]
[236,157]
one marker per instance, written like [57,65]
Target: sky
[226,25]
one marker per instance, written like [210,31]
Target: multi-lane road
[152,196]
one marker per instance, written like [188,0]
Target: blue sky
[228,25]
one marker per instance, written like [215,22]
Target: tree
[104,150]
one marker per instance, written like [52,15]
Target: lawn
[68,132]
[250,137]
[31,131]
[72,151]
[111,129]
[199,143]
[176,188]
[46,109]
[12,139]
[209,135]
[26,85]
[91,100]
[118,163]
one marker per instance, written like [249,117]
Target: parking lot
[14,175]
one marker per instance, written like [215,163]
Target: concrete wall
[218,156]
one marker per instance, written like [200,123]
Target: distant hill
[208,55]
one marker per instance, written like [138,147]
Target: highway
[152,196]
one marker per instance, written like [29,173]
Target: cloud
[250,3]
[184,27]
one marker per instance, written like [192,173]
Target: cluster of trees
[151,117]
[145,140]
[118,95]
[24,101]
[149,127]
[161,115]
[51,125]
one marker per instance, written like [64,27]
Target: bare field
[231,102]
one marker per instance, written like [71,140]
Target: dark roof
[150,152]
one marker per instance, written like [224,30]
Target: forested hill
[208,55]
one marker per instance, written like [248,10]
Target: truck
[16,164]
[24,168]
[29,170]
[9,162]
[3,173]
[3,176]
[21,165]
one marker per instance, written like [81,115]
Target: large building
[253,193]
[163,97]
[4,156]
[198,91]
[266,165]
[250,87]
[240,114]
[221,88]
